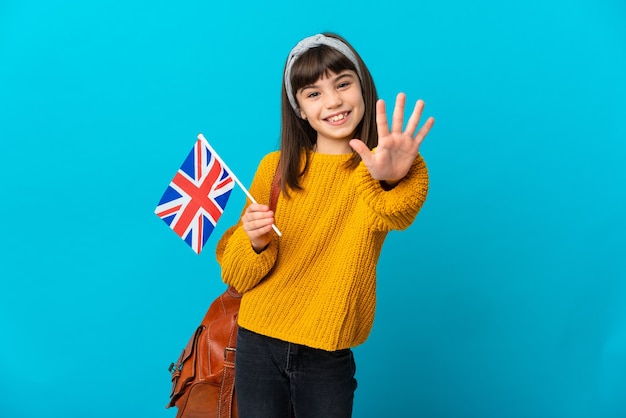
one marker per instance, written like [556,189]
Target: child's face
[333,106]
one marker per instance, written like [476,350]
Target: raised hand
[397,149]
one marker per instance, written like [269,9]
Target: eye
[313,94]
[344,84]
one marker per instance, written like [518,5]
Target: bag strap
[275,191]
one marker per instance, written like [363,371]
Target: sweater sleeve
[242,267]
[398,207]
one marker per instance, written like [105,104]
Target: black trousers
[274,378]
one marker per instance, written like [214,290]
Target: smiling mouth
[338,117]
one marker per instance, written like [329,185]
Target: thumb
[360,148]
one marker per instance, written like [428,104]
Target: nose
[333,99]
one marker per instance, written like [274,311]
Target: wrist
[388,184]
[259,249]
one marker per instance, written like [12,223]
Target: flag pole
[216,155]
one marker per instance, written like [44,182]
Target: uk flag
[197,196]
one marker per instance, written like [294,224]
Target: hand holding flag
[197,195]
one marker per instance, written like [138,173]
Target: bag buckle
[175,368]
[229,350]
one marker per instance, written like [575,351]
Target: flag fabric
[197,196]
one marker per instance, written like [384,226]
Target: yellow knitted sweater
[316,285]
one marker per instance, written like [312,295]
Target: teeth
[337,117]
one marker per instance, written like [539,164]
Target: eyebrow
[340,76]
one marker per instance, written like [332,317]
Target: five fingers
[397,119]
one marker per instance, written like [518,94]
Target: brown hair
[296,133]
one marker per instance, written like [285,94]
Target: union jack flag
[197,196]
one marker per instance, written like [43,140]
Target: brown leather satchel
[203,378]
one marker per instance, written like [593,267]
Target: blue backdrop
[507,296]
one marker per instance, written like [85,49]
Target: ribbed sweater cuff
[248,267]
[399,206]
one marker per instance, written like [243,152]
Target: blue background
[507,296]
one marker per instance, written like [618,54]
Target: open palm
[397,149]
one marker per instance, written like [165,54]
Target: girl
[309,296]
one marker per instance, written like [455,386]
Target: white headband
[308,43]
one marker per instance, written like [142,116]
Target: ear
[302,115]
